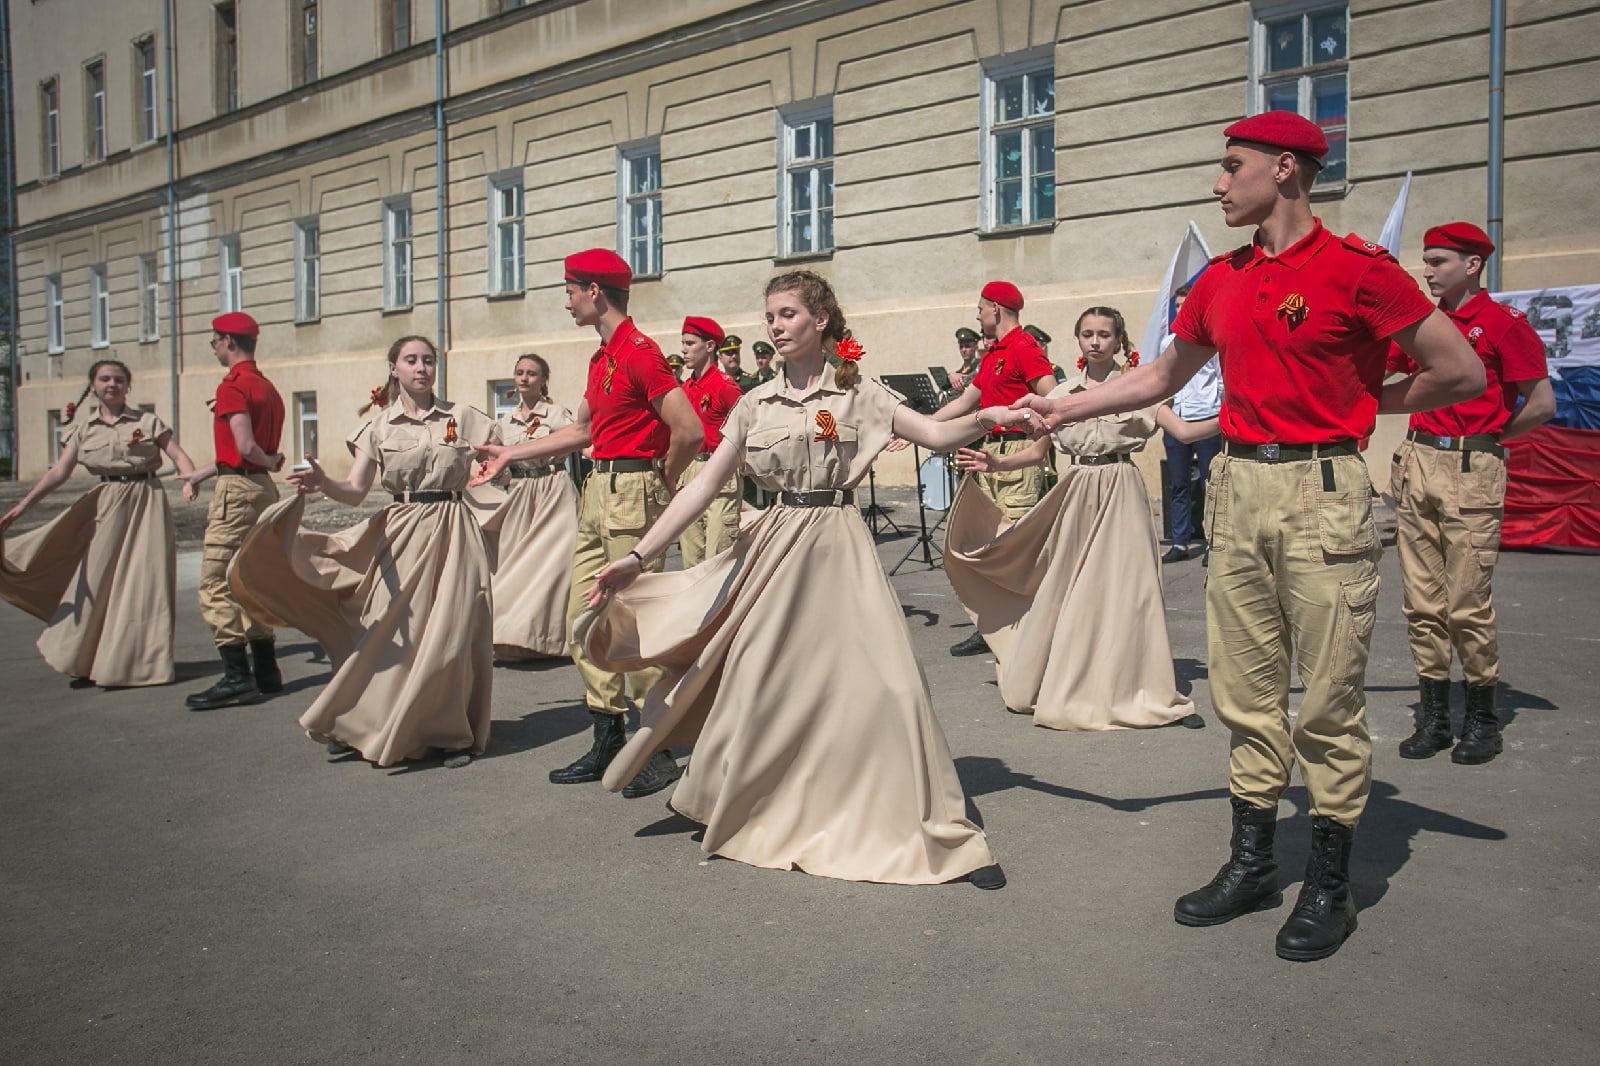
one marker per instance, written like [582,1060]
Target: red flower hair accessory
[379,397]
[70,410]
[849,350]
[1133,359]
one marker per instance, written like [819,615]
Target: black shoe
[1175,554]
[989,878]
[1480,729]
[1247,882]
[1325,914]
[1433,721]
[1191,721]
[264,666]
[661,771]
[80,682]
[973,645]
[610,733]
[236,688]
[338,747]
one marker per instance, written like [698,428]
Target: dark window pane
[1329,102]
[1042,93]
[1008,154]
[1285,44]
[1008,99]
[1328,36]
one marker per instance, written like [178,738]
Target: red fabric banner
[1553,490]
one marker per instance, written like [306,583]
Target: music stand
[918,389]
[941,377]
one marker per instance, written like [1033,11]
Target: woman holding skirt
[532,532]
[789,667]
[401,602]
[101,574]
[1069,597]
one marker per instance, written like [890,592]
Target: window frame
[146,89]
[992,73]
[630,156]
[50,125]
[1305,76]
[390,22]
[94,110]
[149,298]
[230,273]
[300,422]
[305,46]
[498,184]
[225,56]
[498,408]
[55,316]
[391,245]
[792,119]
[99,307]
[307,270]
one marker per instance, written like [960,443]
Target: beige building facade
[908,149]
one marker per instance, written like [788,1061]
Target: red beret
[705,327]
[237,323]
[1459,237]
[1281,129]
[602,266]
[1003,293]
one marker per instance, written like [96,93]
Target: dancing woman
[102,573]
[1069,597]
[402,601]
[788,665]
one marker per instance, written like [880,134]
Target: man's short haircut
[243,341]
[617,298]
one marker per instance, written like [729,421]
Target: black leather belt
[238,471]
[128,477]
[818,498]
[427,496]
[1475,442]
[531,471]
[1101,460]
[623,466]
[1289,453]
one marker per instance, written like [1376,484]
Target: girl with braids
[101,574]
[532,532]
[787,661]
[1069,597]
[401,602]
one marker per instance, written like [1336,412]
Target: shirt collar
[777,388]
[1296,255]
[398,413]
[243,366]
[129,414]
[619,337]
[1470,307]
[1008,339]
[539,410]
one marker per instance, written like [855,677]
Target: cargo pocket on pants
[1216,517]
[1358,614]
[1344,516]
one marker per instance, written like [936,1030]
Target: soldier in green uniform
[764,353]
[728,354]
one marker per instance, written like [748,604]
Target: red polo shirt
[1008,369]
[713,394]
[1303,336]
[625,375]
[245,390]
[1511,352]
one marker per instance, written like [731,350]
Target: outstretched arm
[943,435]
[51,480]
[1133,389]
[986,463]
[168,442]
[351,491]
[570,438]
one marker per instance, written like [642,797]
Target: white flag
[1190,258]
[1390,237]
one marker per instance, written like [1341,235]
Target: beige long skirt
[402,604]
[1069,599]
[102,576]
[531,536]
[789,668]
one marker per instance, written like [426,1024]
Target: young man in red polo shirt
[644,434]
[712,394]
[1011,367]
[247,422]
[1449,484]
[1302,321]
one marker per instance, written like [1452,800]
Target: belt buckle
[1267,452]
[1446,442]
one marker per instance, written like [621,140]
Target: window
[226,35]
[397,254]
[305,421]
[149,298]
[50,108]
[303,32]
[230,271]
[511,5]
[94,96]
[639,208]
[307,271]
[396,18]
[505,234]
[503,398]
[1019,142]
[805,180]
[55,316]
[145,90]
[99,308]
[1300,60]
[52,428]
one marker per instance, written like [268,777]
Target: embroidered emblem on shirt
[705,403]
[827,428]
[450,431]
[1474,333]
[1293,309]
[138,435]
[533,424]
[611,372]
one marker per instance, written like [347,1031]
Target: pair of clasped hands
[1032,414]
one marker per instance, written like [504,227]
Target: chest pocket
[769,452]
[142,453]
[836,457]
[399,457]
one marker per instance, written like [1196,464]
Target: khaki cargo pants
[715,531]
[1014,491]
[616,510]
[1448,537]
[1294,566]
[236,502]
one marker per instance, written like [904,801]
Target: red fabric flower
[1133,359]
[70,410]
[849,350]
[379,397]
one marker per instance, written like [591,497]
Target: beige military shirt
[125,446]
[412,452]
[516,428]
[1107,434]
[778,433]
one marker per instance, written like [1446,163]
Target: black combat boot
[1325,914]
[661,771]
[973,645]
[610,733]
[1248,881]
[1480,729]
[236,688]
[1433,724]
[264,665]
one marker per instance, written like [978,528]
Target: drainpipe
[1497,140]
[441,199]
[174,348]
[8,149]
